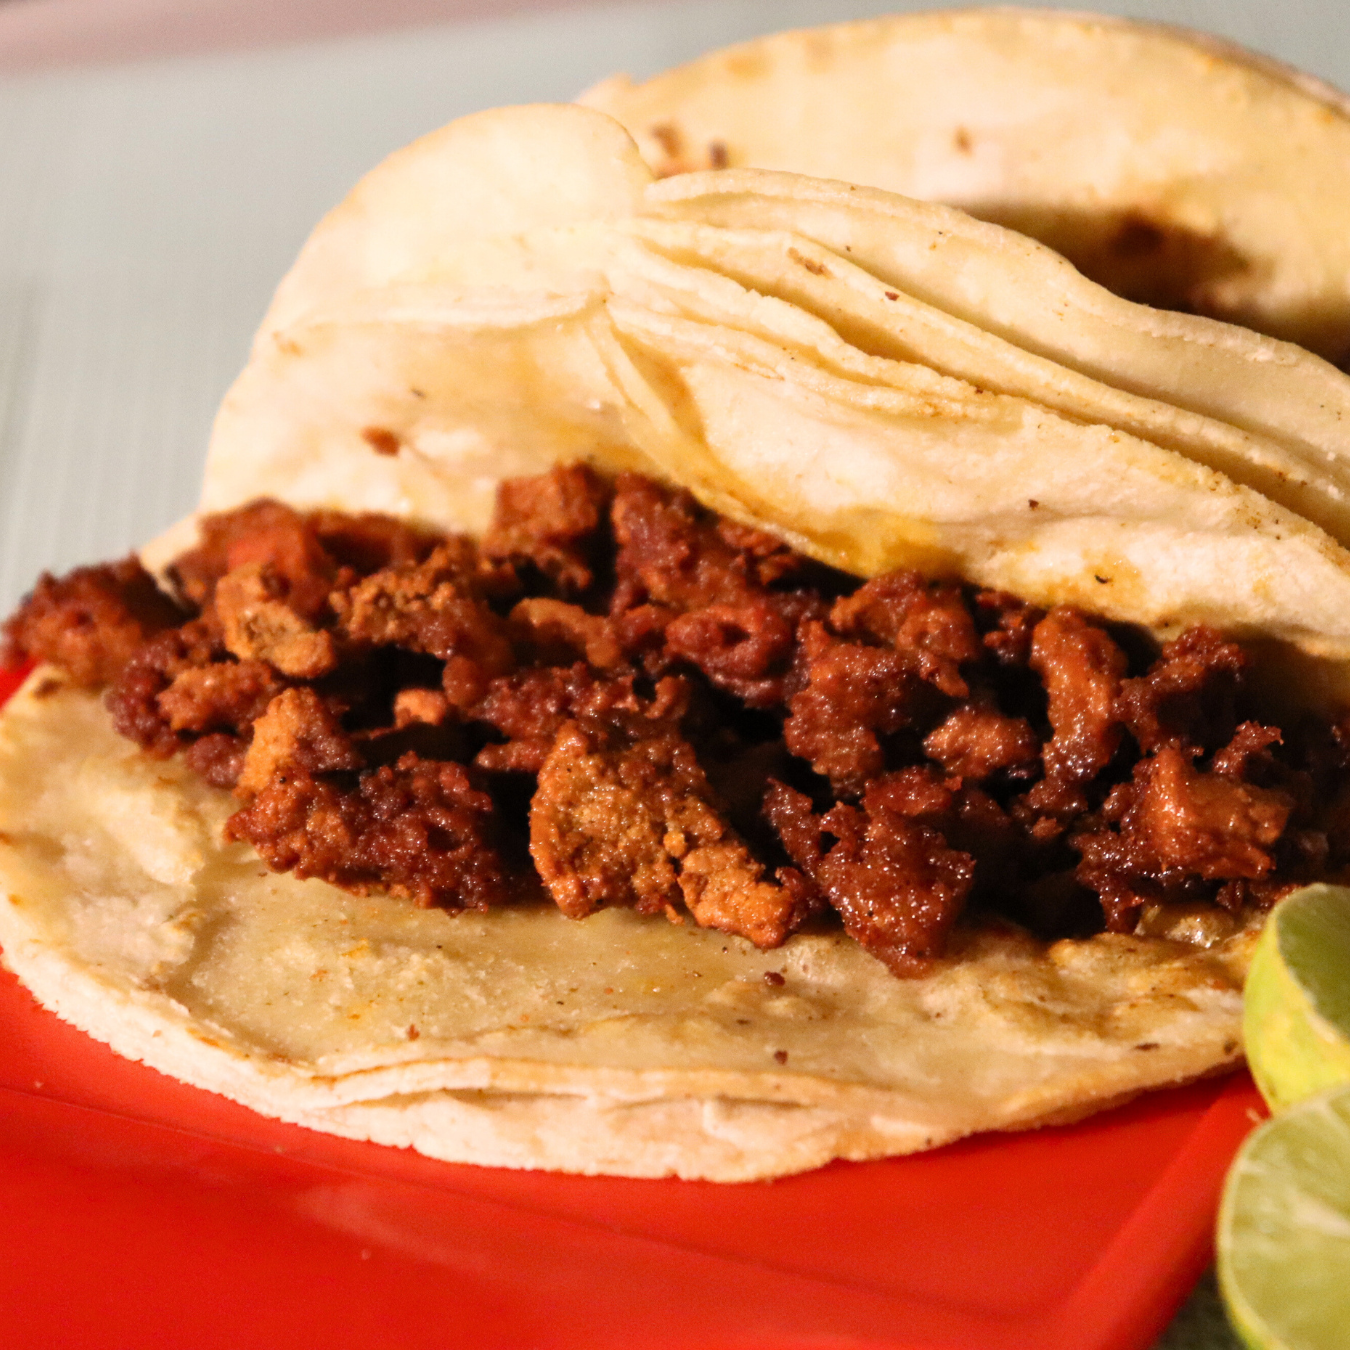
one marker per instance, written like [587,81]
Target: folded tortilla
[1176,168]
[518,290]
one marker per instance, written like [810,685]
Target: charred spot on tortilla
[381,440]
[1144,258]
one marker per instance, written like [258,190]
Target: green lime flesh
[1284,1230]
[1296,1019]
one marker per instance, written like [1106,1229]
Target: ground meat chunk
[969,819]
[530,708]
[90,621]
[617,821]
[550,520]
[261,532]
[425,707]
[297,733]
[975,743]
[1178,827]
[657,667]
[669,553]
[223,694]
[1202,822]
[134,697]
[432,607]
[1247,754]
[260,625]
[1188,697]
[1082,669]
[897,885]
[417,829]
[928,621]
[744,649]
[853,696]
[765,558]
[548,625]
[217,758]
[1008,625]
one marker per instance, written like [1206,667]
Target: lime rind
[1284,1230]
[1296,1019]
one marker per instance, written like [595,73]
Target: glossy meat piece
[530,707]
[853,695]
[1082,668]
[897,885]
[432,607]
[928,621]
[417,829]
[550,521]
[975,743]
[618,821]
[670,553]
[1178,827]
[89,622]
[1187,699]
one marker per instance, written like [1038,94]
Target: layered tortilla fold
[1177,169]
[518,290]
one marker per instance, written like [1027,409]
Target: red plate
[141,1212]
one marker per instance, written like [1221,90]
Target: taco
[1175,168]
[637,699]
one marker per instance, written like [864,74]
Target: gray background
[149,205]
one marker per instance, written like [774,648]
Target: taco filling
[633,702]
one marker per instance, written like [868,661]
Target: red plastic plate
[138,1211]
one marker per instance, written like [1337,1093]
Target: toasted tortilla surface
[520,1038]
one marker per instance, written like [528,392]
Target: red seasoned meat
[1178,827]
[90,622]
[853,696]
[551,521]
[418,829]
[530,708]
[1082,668]
[671,554]
[432,607]
[297,734]
[897,885]
[181,684]
[975,743]
[1187,698]
[261,532]
[1013,623]
[655,666]
[632,822]
[260,624]
[928,621]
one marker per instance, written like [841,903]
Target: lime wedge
[1296,1018]
[1284,1230]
